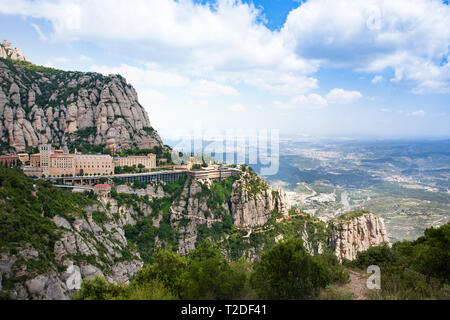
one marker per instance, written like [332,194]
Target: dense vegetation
[286,271]
[217,268]
[21,222]
[26,209]
[412,270]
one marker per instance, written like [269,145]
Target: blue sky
[374,68]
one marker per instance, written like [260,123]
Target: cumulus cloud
[410,37]
[341,96]
[206,88]
[229,38]
[228,33]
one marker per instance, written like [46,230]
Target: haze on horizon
[317,68]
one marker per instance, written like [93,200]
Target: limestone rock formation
[45,105]
[7,51]
[252,201]
[249,207]
[192,209]
[86,248]
[348,237]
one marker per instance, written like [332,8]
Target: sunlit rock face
[356,235]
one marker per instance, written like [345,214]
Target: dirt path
[357,285]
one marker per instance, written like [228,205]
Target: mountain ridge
[41,105]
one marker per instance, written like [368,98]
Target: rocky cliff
[51,239]
[8,52]
[249,202]
[350,235]
[65,108]
[87,247]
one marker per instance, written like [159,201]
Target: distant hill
[46,105]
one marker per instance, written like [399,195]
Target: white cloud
[410,37]
[39,32]
[228,38]
[341,96]
[418,113]
[385,110]
[228,33]
[144,76]
[206,88]
[311,101]
[377,79]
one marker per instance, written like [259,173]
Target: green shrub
[209,276]
[97,289]
[167,267]
[375,256]
[287,271]
[152,290]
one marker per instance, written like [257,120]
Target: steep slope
[51,239]
[65,108]
[206,209]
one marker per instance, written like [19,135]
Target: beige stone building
[148,161]
[10,160]
[62,163]
[45,151]
[93,164]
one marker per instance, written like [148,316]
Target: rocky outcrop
[7,51]
[251,203]
[150,191]
[190,211]
[348,237]
[87,247]
[45,105]
[250,208]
